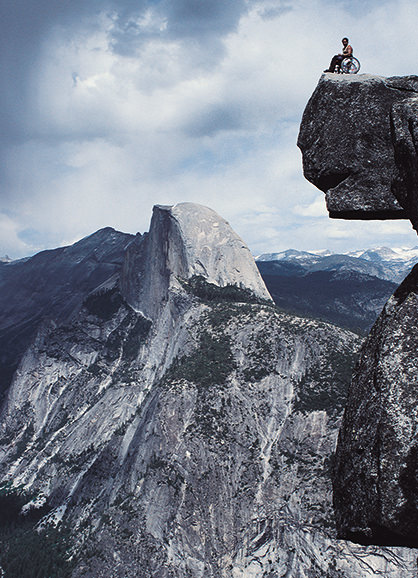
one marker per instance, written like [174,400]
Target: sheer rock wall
[359,139]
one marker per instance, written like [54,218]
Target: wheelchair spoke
[350,65]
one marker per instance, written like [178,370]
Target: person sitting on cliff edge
[338,58]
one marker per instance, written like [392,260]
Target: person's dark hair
[345,38]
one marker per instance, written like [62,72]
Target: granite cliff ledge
[358,138]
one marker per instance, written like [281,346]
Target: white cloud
[127,110]
[10,243]
[314,209]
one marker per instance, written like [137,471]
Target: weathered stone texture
[358,143]
[191,436]
[375,486]
[186,240]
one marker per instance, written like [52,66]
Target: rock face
[376,472]
[376,484]
[191,436]
[186,240]
[357,138]
[51,285]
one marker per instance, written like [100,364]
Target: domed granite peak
[214,250]
[186,240]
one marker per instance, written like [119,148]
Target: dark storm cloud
[27,23]
[200,17]
[24,25]
[201,23]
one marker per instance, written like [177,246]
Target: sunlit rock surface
[184,241]
[189,437]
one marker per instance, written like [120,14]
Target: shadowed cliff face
[375,484]
[358,138]
[184,241]
[52,285]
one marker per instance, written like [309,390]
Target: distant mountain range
[384,263]
[347,289]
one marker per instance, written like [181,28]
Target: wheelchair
[349,65]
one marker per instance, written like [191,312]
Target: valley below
[169,419]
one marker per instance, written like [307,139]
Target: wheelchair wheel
[350,65]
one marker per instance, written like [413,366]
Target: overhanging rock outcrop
[359,139]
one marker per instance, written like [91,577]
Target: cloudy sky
[109,107]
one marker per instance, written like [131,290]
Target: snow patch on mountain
[391,264]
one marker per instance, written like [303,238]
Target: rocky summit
[358,138]
[177,424]
[51,285]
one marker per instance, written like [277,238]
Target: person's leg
[339,59]
[333,64]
